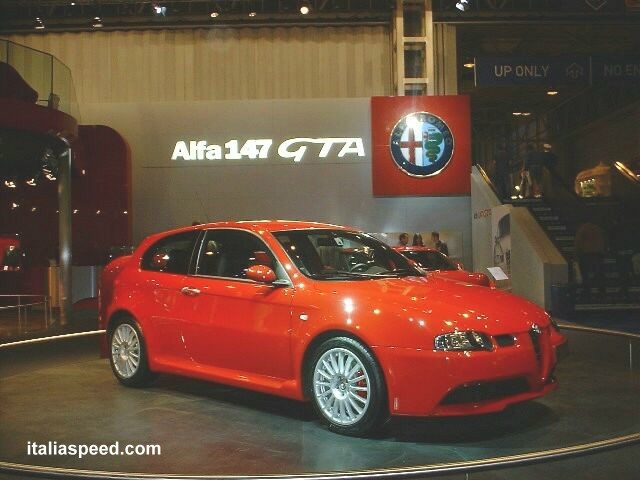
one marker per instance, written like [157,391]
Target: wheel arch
[120,314]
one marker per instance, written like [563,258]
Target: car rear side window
[228,253]
[171,254]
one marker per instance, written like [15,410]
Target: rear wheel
[346,387]
[128,354]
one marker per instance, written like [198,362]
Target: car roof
[264,225]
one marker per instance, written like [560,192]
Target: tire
[125,344]
[346,387]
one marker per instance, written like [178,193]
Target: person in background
[532,173]
[403,239]
[589,247]
[417,240]
[440,246]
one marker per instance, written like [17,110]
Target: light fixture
[50,176]
[125,212]
[97,22]
[252,14]
[159,10]
[73,4]
[552,92]
[469,65]
[305,7]
[14,205]
[10,183]
[517,114]
[39,25]
[462,5]
[33,209]
[75,210]
[526,114]
[98,212]
[214,14]
[32,182]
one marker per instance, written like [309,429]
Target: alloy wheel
[341,386]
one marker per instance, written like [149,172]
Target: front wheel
[129,354]
[346,387]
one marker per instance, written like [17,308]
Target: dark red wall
[105,186]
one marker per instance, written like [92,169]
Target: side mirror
[261,273]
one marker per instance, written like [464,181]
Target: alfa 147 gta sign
[293,148]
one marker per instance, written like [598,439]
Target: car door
[238,324]
[163,271]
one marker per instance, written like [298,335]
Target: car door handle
[192,292]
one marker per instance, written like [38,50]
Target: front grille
[535,334]
[485,391]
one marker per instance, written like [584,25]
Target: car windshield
[342,255]
[431,260]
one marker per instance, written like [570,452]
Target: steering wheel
[359,268]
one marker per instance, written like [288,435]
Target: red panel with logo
[421,145]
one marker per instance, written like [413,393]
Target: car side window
[228,253]
[171,254]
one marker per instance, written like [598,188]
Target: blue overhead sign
[496,71]
[612,69]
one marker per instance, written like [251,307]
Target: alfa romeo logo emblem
[421,144]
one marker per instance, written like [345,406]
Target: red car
[432,260]
[322,313]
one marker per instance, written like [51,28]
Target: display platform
[65,393]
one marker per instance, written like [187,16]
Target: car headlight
[462,341]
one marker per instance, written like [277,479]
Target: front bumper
[427,382]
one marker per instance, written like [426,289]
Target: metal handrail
[23,308]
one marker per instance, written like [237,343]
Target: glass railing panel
[42,73]
[34,67]
[63,92]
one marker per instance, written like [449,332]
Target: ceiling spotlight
[97,22]
[517,114]
[75,210]
[159,9]
[50,176]
[98,212]
[33,209]
[526,114]
[252,14]
[73,4]
[469,65]
[214,14]
[14,205]
[462,5]
[551,93]
[38,24]
[305,8]
[10,183]
[32,182]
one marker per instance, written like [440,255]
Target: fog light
[462,341]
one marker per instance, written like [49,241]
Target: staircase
[562,233]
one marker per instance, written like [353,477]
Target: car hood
[435,305]
[462,276]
